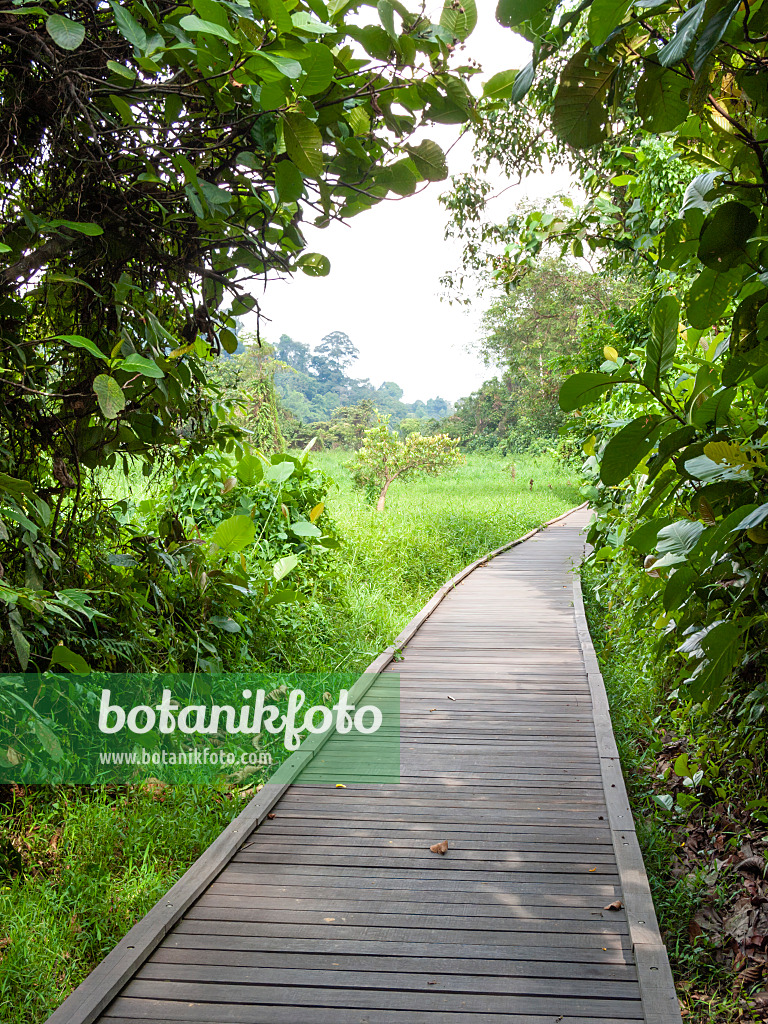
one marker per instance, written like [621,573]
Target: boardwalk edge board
[657,986]
[107,979]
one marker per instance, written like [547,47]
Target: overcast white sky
[386,265]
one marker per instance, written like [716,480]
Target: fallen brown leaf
[616,905]
[441,847]
[270,816]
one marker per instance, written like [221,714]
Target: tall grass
[78,867]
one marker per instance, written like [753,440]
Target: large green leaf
[289,182]
[708,297]
[604,17]
[679,538]
[66,33]
[661,98]
[110,396]
[78,341]
[581,113]
[314,264]
[627,449]
[191,23]
[685,32]
[317,64]
[429,160]
[69,660]
[722,647]
[303,529]
[460,19]
[235,533]
[712,33]
[284,565]
[523,82]
[304,144]
[583,388]
[135,363]
[499,86]
[127,25]
[47,739]
[662,343]
[723,244]
[250,470]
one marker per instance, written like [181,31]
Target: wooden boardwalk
[334,911]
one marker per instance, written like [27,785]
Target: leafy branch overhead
[661,110]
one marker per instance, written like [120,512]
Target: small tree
[383,458]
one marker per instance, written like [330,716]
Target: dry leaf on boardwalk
[616,905]
[441,847]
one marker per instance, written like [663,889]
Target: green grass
[79,867]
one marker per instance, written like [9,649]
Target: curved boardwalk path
[335,911]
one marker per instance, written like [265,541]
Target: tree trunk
[383,497]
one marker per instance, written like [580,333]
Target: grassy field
[79,867]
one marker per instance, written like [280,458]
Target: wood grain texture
[335,911]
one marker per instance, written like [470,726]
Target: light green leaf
[286,67]
[249,470]
[84,228]
[662,343]
[499,86]
[284,565]
[140,364]
[279,472]
[66,33]
[302,529]
[191,23]
[679,538]
[387,17]
[318,68]
[122,70]
[234,534]
[304,144]
[460,19]
[69,660]
[582,388]
[77,341]
[708,297]
[306,23]
[713,32]
[661,99]
[110,396]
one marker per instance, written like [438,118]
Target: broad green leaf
[124,109]
[225,623]
[318,68]
[722,646]
[679,538]
[714,409]
[515,12]
[283,566]
[191,23]
[140,364]
[83,228]
[429,160]
[234,534]
[13,485]
[712,33]
[643,539]
[47,739]
[306,23]
[753,519]
[400,177]
[304,144]
[110,396]
[127,26]
[627,449]
[582,388]
[387,17]
[78,341]
[279,66]
[661,98]
[523,82]
[122,70]
[685,32]
[724,238]
[500,85]
[662,343]
[697,192]
[69,660]
[709,296]
[66,33]
[228,341]
[289,182]
[604,17]
[314,264]
[250,470]
[581,115]
[459,18]
[302,529]
[679,587]
[279,472]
